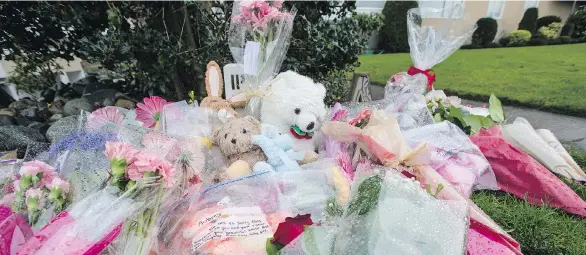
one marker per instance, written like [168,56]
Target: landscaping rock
[62,128]
[48,95]
[41,127]
[104,97]
[23,121]
[22,104]
[6,120]
[31,114]
[55,117]
[7,112]
[5,99]
[124,103]
[74,106]
[19,138]
[68,93]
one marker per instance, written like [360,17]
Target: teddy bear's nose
[311,126]
[233,141]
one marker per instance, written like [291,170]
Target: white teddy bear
[295,105]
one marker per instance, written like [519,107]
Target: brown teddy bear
[234,138]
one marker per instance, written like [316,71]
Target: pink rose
[120,150]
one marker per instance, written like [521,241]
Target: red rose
[290,229]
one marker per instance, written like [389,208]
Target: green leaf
[486,122]
[456,113]
[437,117]
[496,109]
[309,242]
[474,122]
[272,248]
[367,197]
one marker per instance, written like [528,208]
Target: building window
[531,4]
[495,9]
[443,8]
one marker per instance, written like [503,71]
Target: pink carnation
[59,184]
[16,184]
[35,193]
[148,162]
[149,112]
[8,199]
[364,114]
[35,167]
[102,116]
[120,150]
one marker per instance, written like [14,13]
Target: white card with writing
[251,51]
[230,222]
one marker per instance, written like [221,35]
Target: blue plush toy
[278,149]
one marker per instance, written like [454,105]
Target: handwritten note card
[231,222]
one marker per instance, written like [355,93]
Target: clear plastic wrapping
[391,214]
[258,39]
[455,157]
[92,223]
[429,45]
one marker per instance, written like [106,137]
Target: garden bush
[492,45]
[546,20]
[579,21]
[519,38]
[555,41]
[529,20]
[565,39]
[486,31]
[504,41]
[567,29]
[471,47]
[337,86]
[550,31]
[393,34]
[537,42]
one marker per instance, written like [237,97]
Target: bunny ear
[214,81]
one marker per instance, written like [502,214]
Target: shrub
[485,32]
[519,37]
[565,39]
[579,21]
[546,20]
[567,30]
[550,31]
[336,83]
[537,42]
[471,47]
[393,34]
[529,20]
[556,41]
[504,41]
[492,45]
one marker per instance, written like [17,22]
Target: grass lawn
[551,78]
[539,230]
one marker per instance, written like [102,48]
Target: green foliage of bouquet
[448,109]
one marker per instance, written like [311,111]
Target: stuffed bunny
[214,88]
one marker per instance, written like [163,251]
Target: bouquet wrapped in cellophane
[429,45]
[259,37]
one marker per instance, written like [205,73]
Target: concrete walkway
[566,128]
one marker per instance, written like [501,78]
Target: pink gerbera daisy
[102,116]
[149,112]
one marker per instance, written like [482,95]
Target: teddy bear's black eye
[244,131]
[225,136]
[297,111]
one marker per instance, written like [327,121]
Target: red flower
[290,229]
